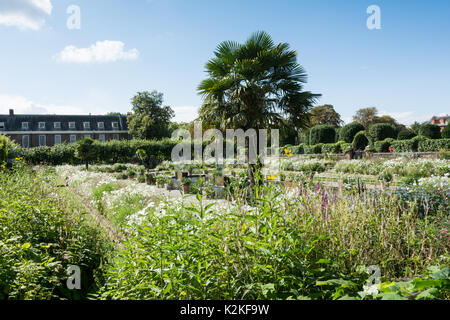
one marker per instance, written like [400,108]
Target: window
[26,141]
[101,125]
[73,138]
[87,135]
[57,125]
[86,125]
[24,125]
[57,139]
[42,141]
[71,125]
[115,125]
[2,126]
[101,137]
[41,125]
[115,136]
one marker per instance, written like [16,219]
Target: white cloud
[22,105]
[100,52]
[25,14]
[185,113]
[408,118]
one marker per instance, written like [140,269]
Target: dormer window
[71,125]
[41,125]
[101,125]
[57,125]
[115,125]
[86,125]
[24,125]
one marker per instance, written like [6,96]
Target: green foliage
[446,132]
[325,114]
[406,135]
[262,78]
[40,236]
[314,149]
[431,131]
[331,148]
[434,145]
[4,148]
[382,131]
[347,133]
[322,134]
[383,146]
[150,120]
[360,141]
[86,150]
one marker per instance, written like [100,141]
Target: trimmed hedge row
[107,152]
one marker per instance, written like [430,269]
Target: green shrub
[446,133]
[300,149]
[331,148]
[382,131]
[402,146]
[322,134]
[434,145]
[360,141]
[314,149]
[406,135]
[383,146]
[431,131]
[4,148]
[347,133]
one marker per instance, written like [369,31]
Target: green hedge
[382,131]
[347,133]
[322,134]
[315,149]
[383,146]
[434,145]
[431,131]
[360,141]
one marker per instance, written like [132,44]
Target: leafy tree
[325,115]
[113,114]
[322,134]
[430,131]
[446,133]
[382,131]
[360,141]
[4,148]
[406,135]
[415,127]
[149,120]
[256,85]
[366,116]
[86,150]
[347,133]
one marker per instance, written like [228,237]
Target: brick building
[47,130]
[441,121]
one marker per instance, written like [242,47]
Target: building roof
[447,118]
[14,122]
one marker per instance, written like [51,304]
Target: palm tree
[255,85]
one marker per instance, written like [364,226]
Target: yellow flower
[272,177]
[3,166]
[183,293]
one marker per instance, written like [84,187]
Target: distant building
[441,121]
[47,130]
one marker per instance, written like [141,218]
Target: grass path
[110,229]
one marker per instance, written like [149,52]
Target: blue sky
[125,46]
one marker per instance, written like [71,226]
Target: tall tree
[325,115]
[257,84]
[366,116]
[149,120]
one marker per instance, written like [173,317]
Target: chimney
[11,112]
